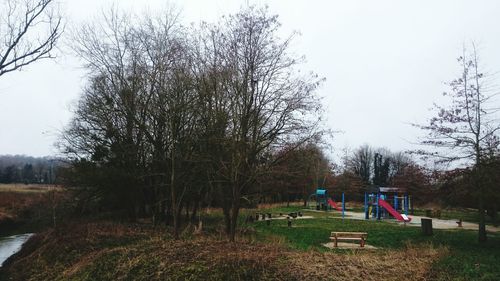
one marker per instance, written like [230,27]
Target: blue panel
[321,192]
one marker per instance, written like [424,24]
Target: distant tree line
[29,170]
[297,173]
[366,166]
[177,118]
[457,187]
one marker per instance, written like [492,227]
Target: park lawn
[469,215]
[102,250]
[467,259]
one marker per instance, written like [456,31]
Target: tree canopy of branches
[466,130]
[299,171]
[360,163]
[173,116]
[29,30]
[380,167]
[376,166]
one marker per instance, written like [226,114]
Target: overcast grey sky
[384,63]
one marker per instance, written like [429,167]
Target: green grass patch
[469,215]
[468,260]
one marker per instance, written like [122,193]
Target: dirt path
[436,223]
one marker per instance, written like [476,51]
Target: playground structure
[377,203]
[380,202]
[325,202]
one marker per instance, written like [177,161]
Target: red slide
[334,205]
[391,211]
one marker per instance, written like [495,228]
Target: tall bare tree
[141,114]
[29,30]
[466,130]
[268,103]
[176,116]
[361,163]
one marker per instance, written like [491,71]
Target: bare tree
[140,114]
[29,30]
[186,115]
[466,130]
[361,163]
[267,102]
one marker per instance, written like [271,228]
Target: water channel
[11,244]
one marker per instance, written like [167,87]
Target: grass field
[470,215]
[26,208]
[27,188]
[467,259]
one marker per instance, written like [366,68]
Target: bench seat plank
[349,236]
[349,233]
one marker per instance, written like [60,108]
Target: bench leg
[362,242]
[335,242]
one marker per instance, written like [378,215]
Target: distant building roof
[392,189]
[385,189]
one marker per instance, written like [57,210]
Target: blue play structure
[321,199]
[325,202]
[378,203]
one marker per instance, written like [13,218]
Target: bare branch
[31,32]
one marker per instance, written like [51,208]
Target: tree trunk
[226,210]
[187,211]
[235,209]
[176,225]
[287,196]
[168,214]
[482,222]
[478,176]
[306,197]
[195,210]
[175,205]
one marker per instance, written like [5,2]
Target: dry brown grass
[116,251]
[14,200]
[81,250]
[277,205]
[14,204]
[410,263]
[16,197]
[27,204]
[28,188]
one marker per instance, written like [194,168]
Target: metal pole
[410,204]
[367,216]
[343,205]
[378,211]
[396,201]
[407,204]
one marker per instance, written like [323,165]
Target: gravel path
[436,223]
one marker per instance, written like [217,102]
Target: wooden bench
[348,236]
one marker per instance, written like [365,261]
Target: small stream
[11,245]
